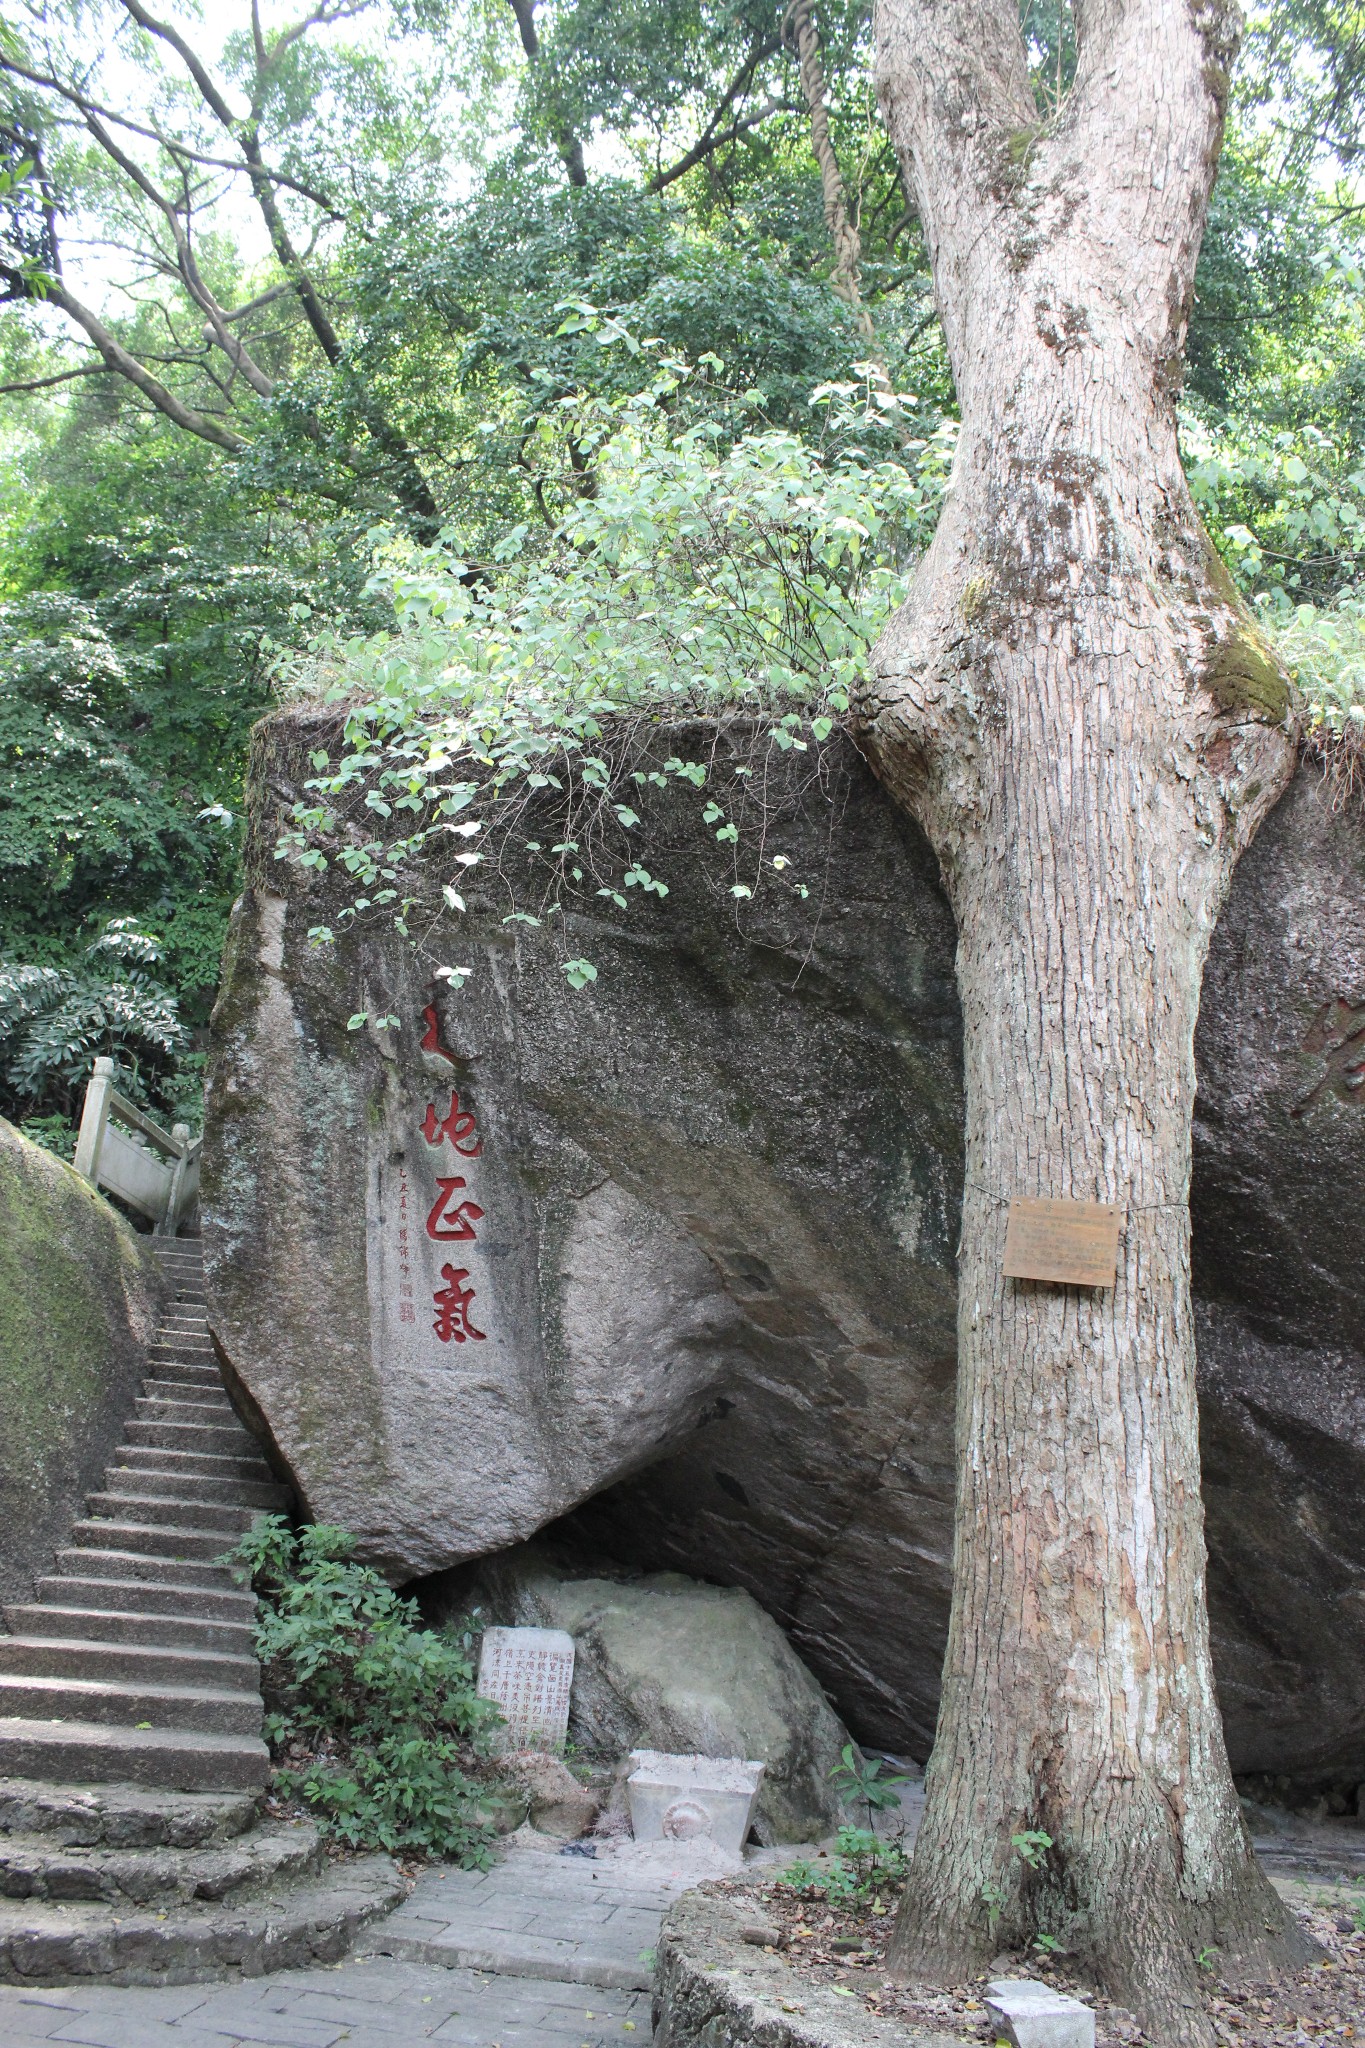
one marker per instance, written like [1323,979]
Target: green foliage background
[544,333]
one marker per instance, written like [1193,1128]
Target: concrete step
[189,1708]
[263,1494]
[35,1867]
[171,1629]
[189,1436]
[220,1601]
[184,1575]
[298,1926]
[158,1511]
[122,1816]
[140,1665]
[182,1407]
[150,1540]
[193,1394]
[92,1753]
[193,1464]
[184,1373]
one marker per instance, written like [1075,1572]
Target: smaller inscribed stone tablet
[1075,1243]
[528,1673]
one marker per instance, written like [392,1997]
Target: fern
[56,1021]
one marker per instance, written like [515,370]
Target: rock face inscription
[705,1319]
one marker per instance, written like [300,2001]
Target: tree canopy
[309,312]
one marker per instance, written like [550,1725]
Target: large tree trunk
[1076,707]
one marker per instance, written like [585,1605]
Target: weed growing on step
[375,1717]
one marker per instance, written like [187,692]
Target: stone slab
[1035,2015]
[528,1673]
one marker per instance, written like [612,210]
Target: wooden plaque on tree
[1073,1243]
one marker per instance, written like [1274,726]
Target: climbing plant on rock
[684,573]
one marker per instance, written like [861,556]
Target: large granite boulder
[78,1299]
[703,1318]
[664,1662]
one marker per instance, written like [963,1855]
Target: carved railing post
[94,1116]
[170,1222]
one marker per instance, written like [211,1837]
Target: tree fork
[1077,708]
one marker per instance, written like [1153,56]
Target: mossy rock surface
[78,1297]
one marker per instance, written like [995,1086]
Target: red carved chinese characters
[449,1218]
[452,1303]
[431,1041]
[456,1127]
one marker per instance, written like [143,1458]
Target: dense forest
[432,348]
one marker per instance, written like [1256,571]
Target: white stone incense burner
[679,1798]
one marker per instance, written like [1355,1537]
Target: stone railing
[121,1150]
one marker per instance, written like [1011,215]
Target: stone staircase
[131,1757]
[135,1662]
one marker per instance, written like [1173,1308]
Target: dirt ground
[844,1950]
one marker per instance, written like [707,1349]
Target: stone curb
[713,1990]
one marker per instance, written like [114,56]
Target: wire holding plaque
[1073,1244]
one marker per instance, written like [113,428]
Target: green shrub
[376,1716]
[55,1022]
[864,1870]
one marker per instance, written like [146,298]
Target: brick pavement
[564,1918]
[370,2002]
[566,1944]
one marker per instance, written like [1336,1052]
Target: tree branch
[62,377]
[566,142]
[117,358]
[408,482]
[170,143]
[848,247]
[265,298]
[711,137]
[246,135]
[186,266]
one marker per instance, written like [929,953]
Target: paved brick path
[567,1919]
[376,2003]
[565,1944]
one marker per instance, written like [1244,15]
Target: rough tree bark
[1079,711]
